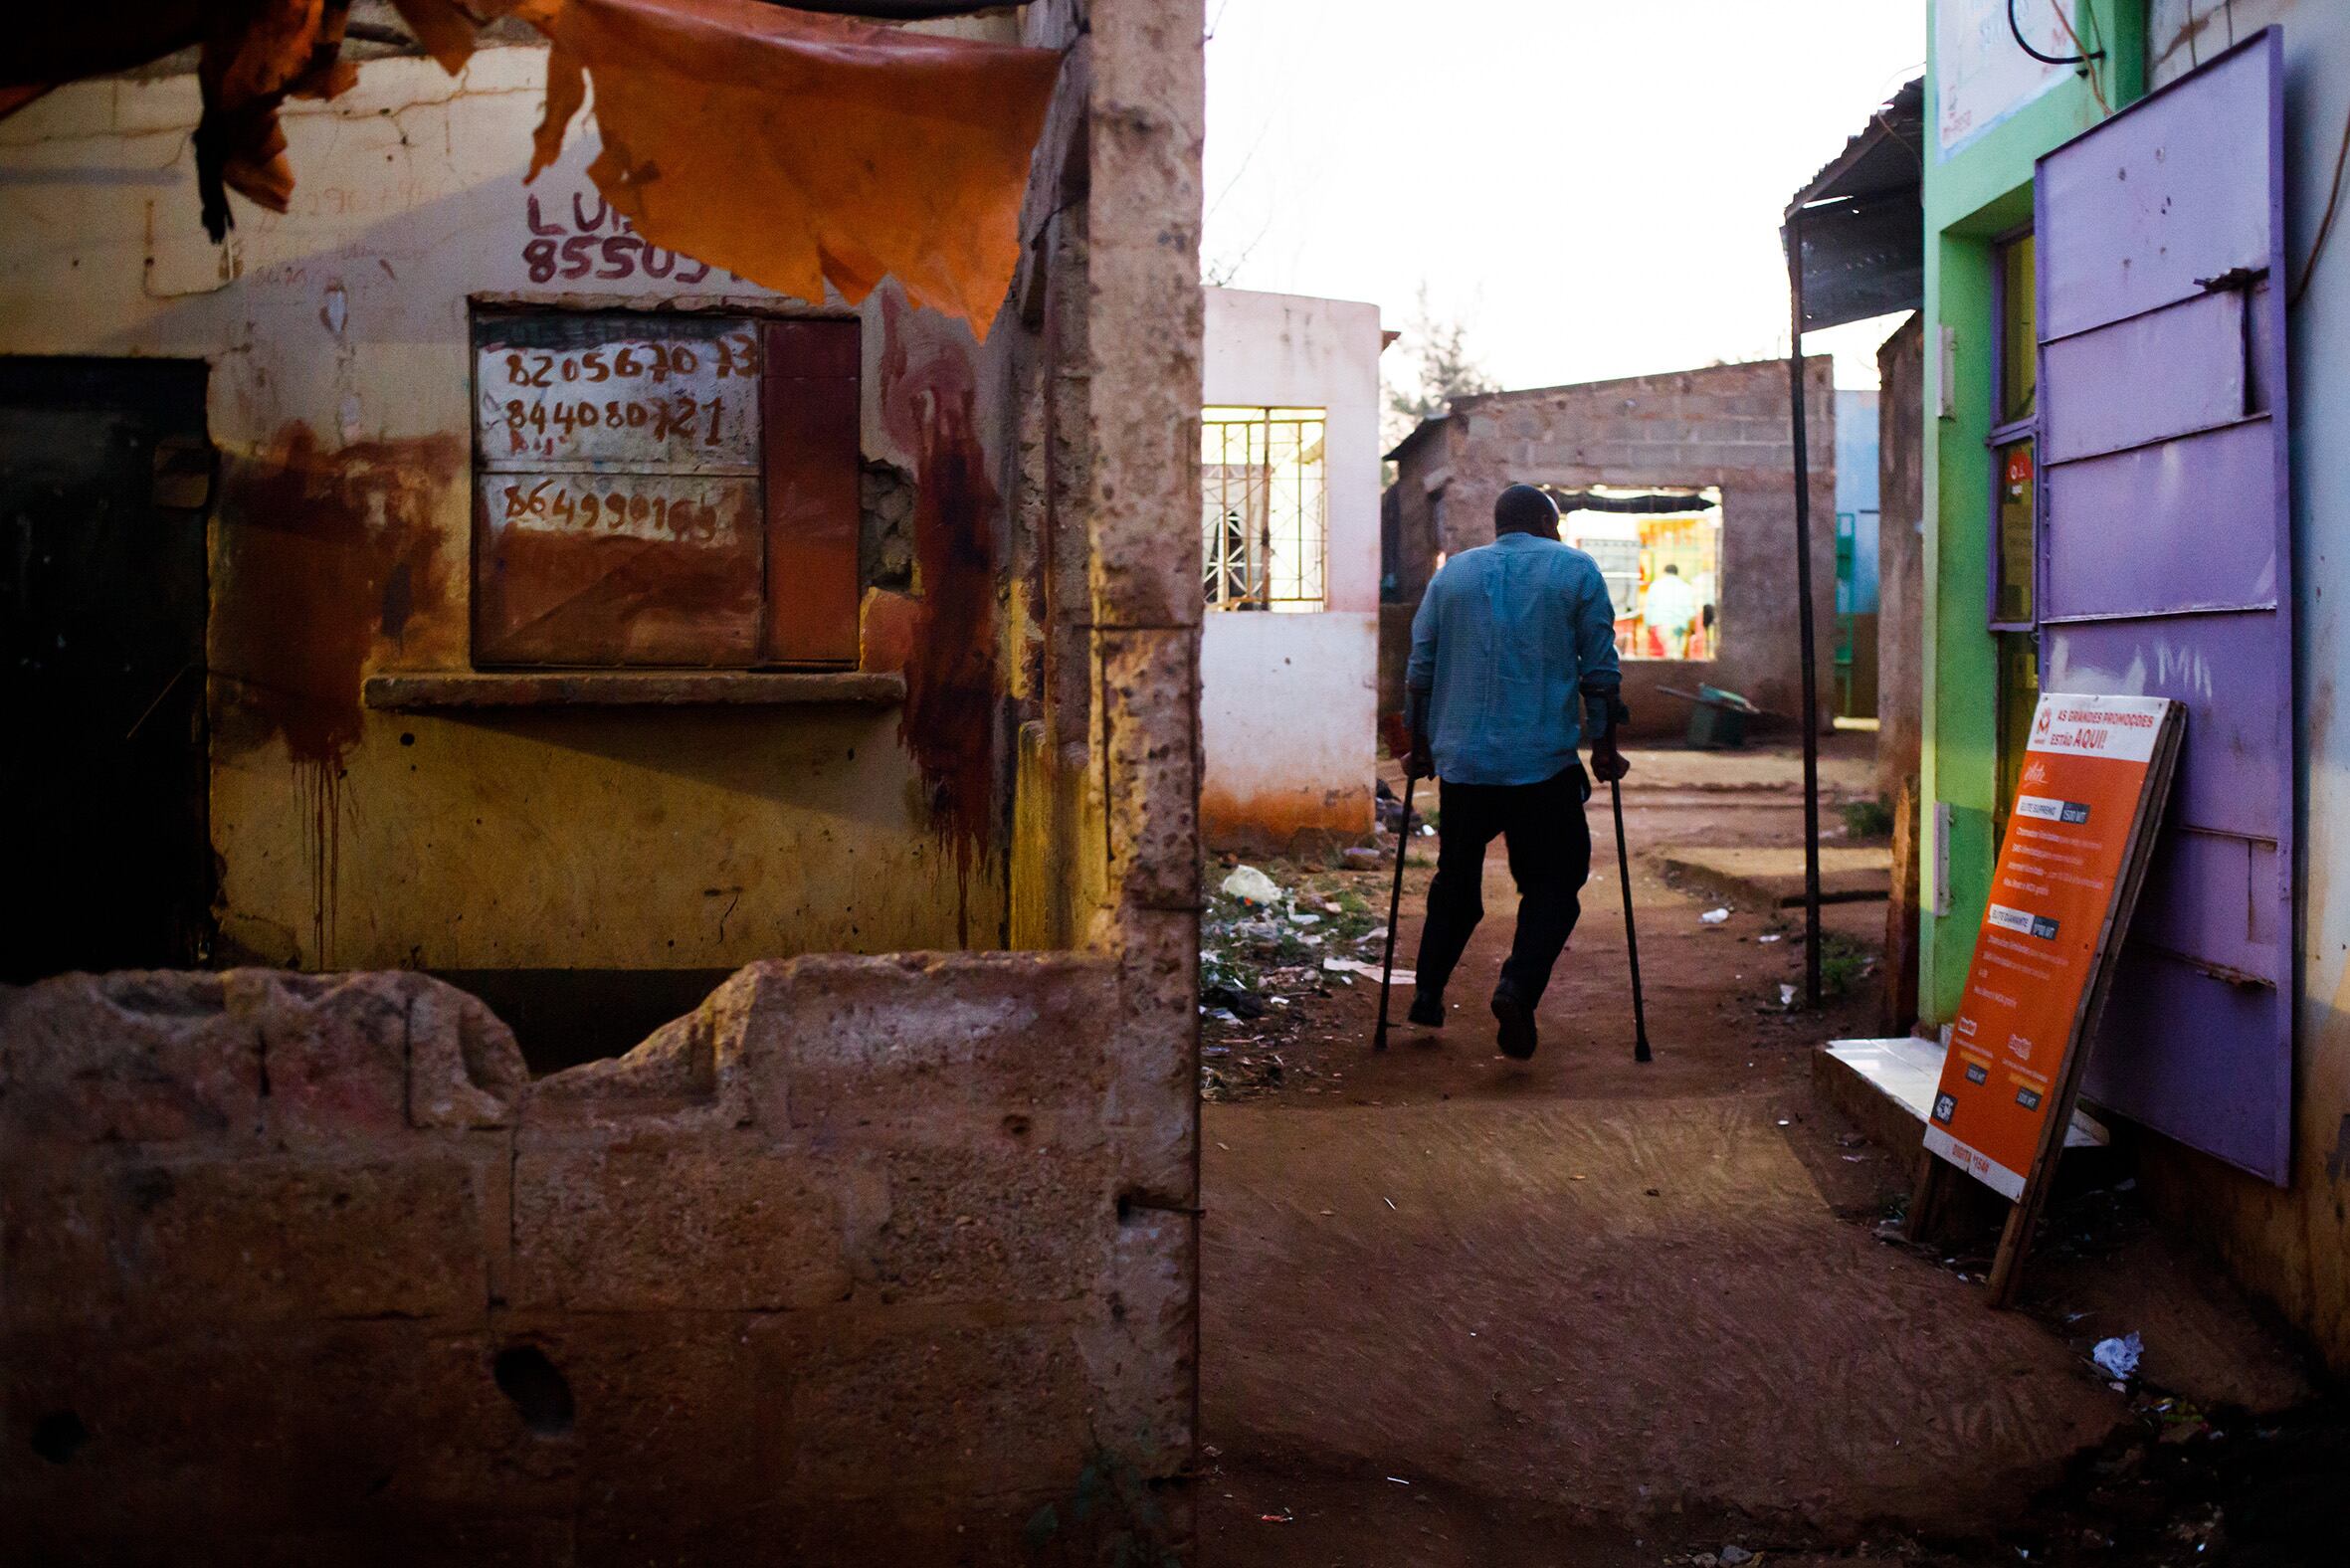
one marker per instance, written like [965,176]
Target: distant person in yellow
[1669,608]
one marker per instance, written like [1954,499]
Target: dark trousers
[1549,857]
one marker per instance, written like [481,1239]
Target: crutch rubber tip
[1640,1052]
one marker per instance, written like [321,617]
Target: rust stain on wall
[1276,821]
[929,395]
[569,598]
[322,553]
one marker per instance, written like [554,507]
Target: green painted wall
[1975,194]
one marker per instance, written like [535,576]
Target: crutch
[1640,1012]
[1395,907]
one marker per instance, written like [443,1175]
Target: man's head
[1522,509]
[1671,571]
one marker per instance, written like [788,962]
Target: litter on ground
[2119,1357]
[1356,966]
[1251,886]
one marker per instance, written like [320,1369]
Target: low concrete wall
[867,1261]
[1288,725]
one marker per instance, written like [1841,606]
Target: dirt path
[1459,1311]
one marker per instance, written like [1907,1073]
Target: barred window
[1264,508]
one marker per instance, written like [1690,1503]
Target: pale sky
[1594,186]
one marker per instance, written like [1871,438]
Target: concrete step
[1887,1086]
[1773,878]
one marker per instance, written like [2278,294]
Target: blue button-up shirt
[1507,636]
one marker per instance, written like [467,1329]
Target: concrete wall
[1900,623]
[1287,714]
[1726,426]
[340,401]
[2292,1244]
[866,1260]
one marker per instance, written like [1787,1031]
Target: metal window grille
[1264,508]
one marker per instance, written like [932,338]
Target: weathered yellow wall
[1059,859]
[340,398]
[598,839]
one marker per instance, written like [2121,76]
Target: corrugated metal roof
[1863,228]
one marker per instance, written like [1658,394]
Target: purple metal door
[2166,569]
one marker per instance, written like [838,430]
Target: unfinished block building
[1717,434]
[881,736]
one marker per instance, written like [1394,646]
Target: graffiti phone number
[565,505]
[610,259]
[736,355]
[664,419]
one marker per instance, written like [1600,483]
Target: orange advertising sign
[2092,787]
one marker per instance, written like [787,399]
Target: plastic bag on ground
[1251,886]
[2119,1358]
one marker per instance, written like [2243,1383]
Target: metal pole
[1803,600]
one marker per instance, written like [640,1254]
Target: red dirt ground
[1459,1310]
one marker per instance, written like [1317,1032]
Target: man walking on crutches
[1513,664]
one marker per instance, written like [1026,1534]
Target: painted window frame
[2006,434]
[1263,562]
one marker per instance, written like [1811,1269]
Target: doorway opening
[1660,549]
[105,481]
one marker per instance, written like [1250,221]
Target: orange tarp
[792,149]
[800,150]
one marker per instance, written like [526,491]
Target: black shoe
[1516,1019]
[1427,1011]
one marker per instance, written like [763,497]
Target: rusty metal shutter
[675,491]
[812,461]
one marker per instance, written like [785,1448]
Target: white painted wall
[1287,701]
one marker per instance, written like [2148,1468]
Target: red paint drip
[953,688]
[321,553]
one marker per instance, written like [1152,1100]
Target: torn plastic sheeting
[252,58]
[791,148]
[801,150]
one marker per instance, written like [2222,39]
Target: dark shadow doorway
[106,479]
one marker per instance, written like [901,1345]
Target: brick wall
[1726,426]
[867,1259]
